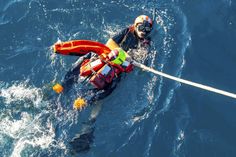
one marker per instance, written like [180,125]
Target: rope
[208,88]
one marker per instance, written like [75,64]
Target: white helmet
[141,19]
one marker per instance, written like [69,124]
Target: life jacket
[101,72]
[88,67]
[103,77]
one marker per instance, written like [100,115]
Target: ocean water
[147,115]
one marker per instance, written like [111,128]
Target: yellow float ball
[79,104]
[57,88]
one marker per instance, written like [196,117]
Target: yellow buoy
[57,88]
[79,104]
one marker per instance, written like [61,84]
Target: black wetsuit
[72,76]
[128,39]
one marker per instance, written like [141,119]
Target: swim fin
[81,143]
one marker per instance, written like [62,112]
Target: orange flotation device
[80,47]
[88,67]
[103,77]
[100,70]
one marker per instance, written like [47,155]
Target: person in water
[134,37]
[131,38]
[100,75]
[106,77]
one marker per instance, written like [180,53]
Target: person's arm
[116,40]
[71,76]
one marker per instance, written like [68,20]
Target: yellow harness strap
[112,44]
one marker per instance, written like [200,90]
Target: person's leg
[82,140]
[95,111]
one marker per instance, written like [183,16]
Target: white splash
[27,131]
[111,30]
[180,140]
[21,92]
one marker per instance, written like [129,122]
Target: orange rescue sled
[80,47]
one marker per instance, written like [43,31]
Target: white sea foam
[111,30]
[22,128]
[27,131]
[21,92]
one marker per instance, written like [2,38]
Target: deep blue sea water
[147,115]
